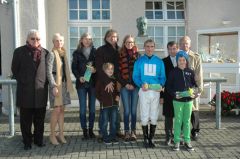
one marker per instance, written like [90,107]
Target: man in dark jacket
[166,98]
[29,69]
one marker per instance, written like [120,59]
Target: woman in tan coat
[60,86]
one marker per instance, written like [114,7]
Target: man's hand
[55,91]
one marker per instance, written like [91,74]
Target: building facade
[167,20]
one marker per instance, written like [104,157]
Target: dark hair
[109,33]
[171,43]
[149,41]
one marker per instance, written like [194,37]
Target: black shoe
[91,134]
[27,147]
[40,144]
[85,134]
[145,136]
[176,147]
[189,146]
[195,136]
[115,141]
[99,139]
[107,142]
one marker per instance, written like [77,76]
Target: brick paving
[213,143]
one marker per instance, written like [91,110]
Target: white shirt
[174,62]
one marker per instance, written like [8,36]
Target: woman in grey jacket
[60,86]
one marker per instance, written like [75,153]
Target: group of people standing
[114,73]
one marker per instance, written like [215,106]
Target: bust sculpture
[142,26]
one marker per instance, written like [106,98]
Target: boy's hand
[109,87]
[117,98]
[161,100]
[145,87]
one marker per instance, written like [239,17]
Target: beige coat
[195,63]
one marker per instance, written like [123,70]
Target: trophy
[88,72]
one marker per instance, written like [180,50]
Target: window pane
[82,30]
[96,4]
[82,14]
[170,14]
[179,5]
[95,14]
[105,14]
[180,31]
[159,42]
[73,42]
[149,5]
[72,4]
[172,39]
[158,5]
[170,5]
[158,31]
[73,15]
[158,15]
[149,14]
[150,31]
[180,14]
[73,31]
[171,31]
[97,42]
[105,4]
[104,30]
[96,31]
[83,4]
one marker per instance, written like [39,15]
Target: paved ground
[213,143]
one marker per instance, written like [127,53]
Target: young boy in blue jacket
[148,70]
[181,79]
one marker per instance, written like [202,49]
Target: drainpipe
[16,23]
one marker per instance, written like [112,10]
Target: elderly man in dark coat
[29,69]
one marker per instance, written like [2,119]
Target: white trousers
[149,106]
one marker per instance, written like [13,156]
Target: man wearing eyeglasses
[29,69]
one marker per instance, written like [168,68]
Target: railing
[10,84]
[218,82]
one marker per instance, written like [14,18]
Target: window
[175,10]
[97,32]
[153,10]
[89,10]
[164,10]
[165,22]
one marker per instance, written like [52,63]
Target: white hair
[32,32]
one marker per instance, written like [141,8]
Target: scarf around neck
[36,52]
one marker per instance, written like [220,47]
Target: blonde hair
[56,35]
[84,35]
[107,65]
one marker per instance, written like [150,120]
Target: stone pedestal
[139,40]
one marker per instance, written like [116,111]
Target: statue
[142,26]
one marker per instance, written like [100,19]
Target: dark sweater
[79,63]
[180,80]
[107,99]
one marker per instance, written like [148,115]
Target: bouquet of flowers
[88,72]
[229,101]
[188,93]
[156,87]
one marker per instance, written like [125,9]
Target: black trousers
[35,116]
[195,121]
[168,127]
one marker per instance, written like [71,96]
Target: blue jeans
[82,95]
[130,101]
[109,115]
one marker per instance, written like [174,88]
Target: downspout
[16,23]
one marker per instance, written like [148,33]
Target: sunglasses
[33,39]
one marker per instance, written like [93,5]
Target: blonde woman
[84,56]
[60,86]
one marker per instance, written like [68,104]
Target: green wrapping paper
[87,74]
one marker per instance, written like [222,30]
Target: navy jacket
[180,80]
[79,63]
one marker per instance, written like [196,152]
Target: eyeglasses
[33,39]
[129,42]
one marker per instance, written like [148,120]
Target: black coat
[32,84]
[168,110]
[79,63]
[104,54]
